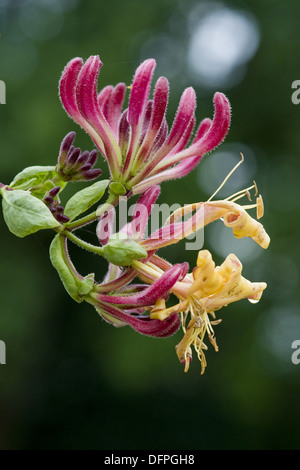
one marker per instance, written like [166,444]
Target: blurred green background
[72,381]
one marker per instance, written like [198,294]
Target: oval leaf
[38,173]
[24,214]
[85,198]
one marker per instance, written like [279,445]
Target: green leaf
[84,199]
[38,174]
[77,288]
[86,284]
[38,179]
[25,214]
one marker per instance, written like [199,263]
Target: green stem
[98,250]
[67,259]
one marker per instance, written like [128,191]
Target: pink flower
[200,292]
[122,307]
[119,301]
[135,142]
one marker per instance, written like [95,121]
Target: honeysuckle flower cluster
[141,153]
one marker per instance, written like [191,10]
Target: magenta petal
[161,94]
[67,91]
[160,102]
[159,289]
[154,327]
[142,210]
[161,137]
[181,169]
[118,282]
[140,92]
[204,126]
[220,125]
[104,97]
[114,106]
[124,132]
[137,108]
[87,100]
[173,232]
[146,121]
[67,88]
[184,115]
[106,226]
[210,140]
[144,325]
[182,119]
[181,144]
[178,171]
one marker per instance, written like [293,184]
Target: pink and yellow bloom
[200,293]
[141,153]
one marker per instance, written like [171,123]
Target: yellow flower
[201,293]
[208,288]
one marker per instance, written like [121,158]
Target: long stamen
[194,333]
[227,177]
[250,206]
[242,193]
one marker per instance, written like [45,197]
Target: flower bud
[122,250]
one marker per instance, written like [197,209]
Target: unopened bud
[117,188]
[122,250]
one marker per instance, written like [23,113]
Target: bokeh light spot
[222,41]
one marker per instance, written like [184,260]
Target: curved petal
[142,210]
[140,92]
[118,282]
[159,289]
[211,139]
[177,171]
[184,115]
[113,106]
[137,106]
[144,325]
[103,98]
[160,101]
[87,101]
[67,88]
[67,93]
